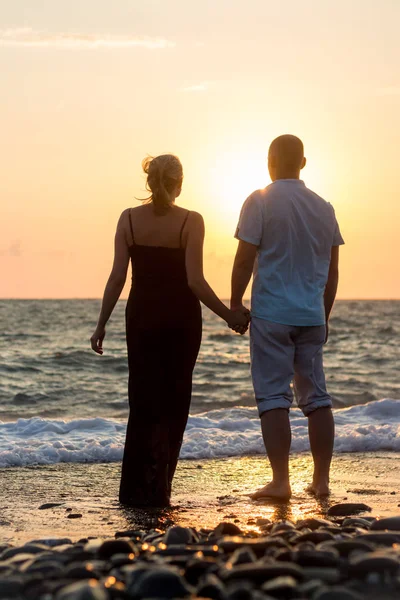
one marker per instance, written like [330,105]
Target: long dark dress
[163,332]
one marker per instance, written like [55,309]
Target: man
[290,237]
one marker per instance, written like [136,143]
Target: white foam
[217,433]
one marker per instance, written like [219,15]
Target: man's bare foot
[273,490]
[318,489]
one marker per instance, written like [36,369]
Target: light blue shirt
[294,230]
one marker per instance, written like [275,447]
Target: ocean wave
[216,433]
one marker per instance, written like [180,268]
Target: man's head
[286,157]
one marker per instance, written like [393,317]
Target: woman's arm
[196,280]
[115,283]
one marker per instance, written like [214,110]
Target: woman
[163,327]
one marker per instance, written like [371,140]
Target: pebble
[342,558]
[90,590]
[315,536]
[258,572]
[178,535]
[72,515]
[313,523]
[390,523]
[211,587]
[50,505]
[347,508]
[384,538]
[363,566]
[356,522]
[337,593]
[281,587]
[110,547]
[227,529]
[160,583]
[10,587]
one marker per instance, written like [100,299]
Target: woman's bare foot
[273,490]
[318,489]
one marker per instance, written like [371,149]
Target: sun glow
[233,179]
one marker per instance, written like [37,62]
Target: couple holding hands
[289,240]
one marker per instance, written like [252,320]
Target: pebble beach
[64,536]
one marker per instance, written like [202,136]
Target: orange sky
[89,89]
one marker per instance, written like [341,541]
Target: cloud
[199,87]
[391,90]
[25,37]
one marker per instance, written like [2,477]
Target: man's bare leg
[321,431]
[277,437]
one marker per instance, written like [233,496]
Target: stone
[76,570]
[312,558]
[281,587]
[313,523]
[261,522]
[389,523]
[121,546]
[178,535]
[182,550]
[347,508]
[117,560]
[49,568]
[74,515]
[308,589]
[240,590]
[50,505]
[258,545]
[375,562]
[356,522]
[159,582]
[134,534]
[30,549]
[282,526]
[227,529]
[384,538]
[196,568]
[18,559]
[337,593]
[10,587]
[211,587]
[52,542]
[326,574]
[82,590]
[316,537]
[346,547]
[259,572]
[241,556]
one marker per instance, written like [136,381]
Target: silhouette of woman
[163,328]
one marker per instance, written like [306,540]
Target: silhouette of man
[290,237]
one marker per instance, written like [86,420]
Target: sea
[62,403]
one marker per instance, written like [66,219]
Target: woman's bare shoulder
[195,218]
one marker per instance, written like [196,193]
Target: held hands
[96,341]
[240,319]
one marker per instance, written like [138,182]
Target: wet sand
[205,493]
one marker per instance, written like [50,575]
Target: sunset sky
[90,87]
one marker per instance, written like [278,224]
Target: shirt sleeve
[250,226]
[337,236]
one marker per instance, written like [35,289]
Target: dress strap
[183,227]
[130,224]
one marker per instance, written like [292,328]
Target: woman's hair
[164,175]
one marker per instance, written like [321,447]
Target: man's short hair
[288,151]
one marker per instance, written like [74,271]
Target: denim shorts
[281,354]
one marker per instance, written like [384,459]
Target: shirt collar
[299,181]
